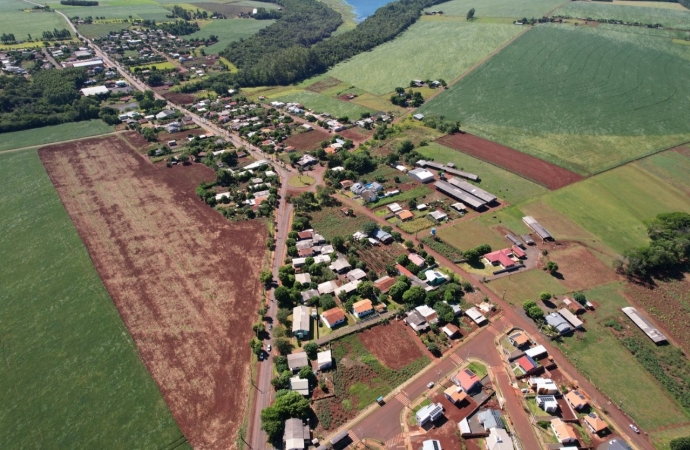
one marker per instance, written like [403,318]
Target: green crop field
[55,133]
[71,376]
[669,18]
[117,9]
[321,103]
[595,351]
[583,98]
[18,18]
[526,286]
[498,8]
[429,49]
[506,185]
[671,166]
[228,31]
[95,30]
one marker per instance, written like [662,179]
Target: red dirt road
[535,169]
[184,279]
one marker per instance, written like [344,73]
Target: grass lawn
[159,66]
[526,286]
[597,350]
[321,103]
[54,133]
[506,185]
[498,8]
[301,181]
[417,54]
[416,193]
[469,234]
[17,17]
[479,369]
[662,439]
[94,30]
[330,222]
[669,18]
[71,376]
[228,31]
[587,99]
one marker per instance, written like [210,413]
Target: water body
[365,8]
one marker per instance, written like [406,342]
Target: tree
[403,260]
[433,348]
[279,331]
[283,346]
[282,315]
[545,296]
[280,363]
[580,298]
[397,290]
[366,290]
[287,405]
[305,373]
[405,146]
[551,267]
[282,381]
[414,296]
[445,312]
[327,302]
[409,245]
[266,277]
[338,243]
[470,14]
[311,349]
[282,295]
[681,443]
[255,345]
[258,328]
[369,228]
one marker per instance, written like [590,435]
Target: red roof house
[518,252]
[466,379]
[500,257]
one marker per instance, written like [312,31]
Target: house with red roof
[518,252]
[501,258]
[467,380]
[526,363]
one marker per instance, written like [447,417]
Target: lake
[365,8]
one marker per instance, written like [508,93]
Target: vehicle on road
[430,385]
[380,401]
[268,348]
[635,429]
[270,326]
[261,356]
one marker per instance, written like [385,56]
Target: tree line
[178,27]
[7,38]
[78,2]
[57,34]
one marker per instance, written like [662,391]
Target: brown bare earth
[323,85]
[580,269]
[535,169]
[311,140]
[357,135]
[181,99]
[184,279]
[391,345]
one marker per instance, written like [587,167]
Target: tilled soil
[184,279]
[391,345]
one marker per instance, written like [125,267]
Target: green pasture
[498,8]
[18,17]
[94,30]
[321,103]
[429,49]
[469,234]
[671,166]
[54,133]
[526,286]
[505,185]
[614,205]
[167,65]
[117,9]
[583,98]
[71,376]
[669,18]
[228,31]
[662,439]
[597,350]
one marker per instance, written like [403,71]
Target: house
[303,278]
[498,439]
[438,216]
[340,265]
[96,90]
[324,359]
[383,237]
[455,395]
[416,259]
[563,432]
[327,249]
[519,339]
[474,314]
[369,196]
[490,418]
[459,207]
[617,444]
[381,308]
[385,283]
[559,323]
[306,160]
[429,314]
[300,385]
[333,317]
[576,400]
[431,444]
[307,295]
[416,321]
[301,321]
[595,423]
[296,435]
[327,287]
[394,208]
[347,288]
[435,278]
[356,274]
[547,402]
[165,114]
[428,413]
[573,306]
[298,262]
[306,234]
[362,308]
[526,363]
[518,252]
[421,175]
[571,318]
[297,360]
[536,352]
[502,258]
[404,215]
[543,386]
[467,380]
[419,116]
[357,188]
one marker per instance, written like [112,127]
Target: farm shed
[571,318]
[459,194]
[474,190]
[333,317]
[438,216]
[474,314]
[537,228]
[447,168]
[296,435]
[394,208]
[527,239]
[573,306]
[301,321]
[645,325]
[96,90]
[297,360]
[515,240]
[559,323]
[324,359]
[300,385]
[428,413]
[459,207]
[421,175]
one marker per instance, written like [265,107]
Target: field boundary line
[641,157]
[37,146]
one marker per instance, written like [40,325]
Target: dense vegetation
[79,2]
[668,250]
[288,404]
[50,99]
[57,34]
[179,27]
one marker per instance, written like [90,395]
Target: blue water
[365,8]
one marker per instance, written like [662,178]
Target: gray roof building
[459,194]
[645,325]
[297,360]
[490,418]
[559,323]
[296,435]
[472,189]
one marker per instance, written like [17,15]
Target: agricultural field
[417,54]
[164,258]
[506,185]
[63,339]
[469,234]
[596,350]
[672,166]
[582,107]
[228,31]
[307,141]
[99,29]
[526,285]
[498,8]
[229,8]
[322,103]
[669,18]
[167,65]
[53,133]
[580,269]
[116,9]
[17,17]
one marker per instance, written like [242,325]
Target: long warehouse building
[452,170]
[645,325]
[459,194]
[474,190]
[537,228]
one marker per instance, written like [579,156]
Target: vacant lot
[583,98]
[321,103]
[526,286]
[330,222]
[580,269]
[167,261]
[94,30]
[55,133]
[71,376]
[498,8]
[310,140]
[17,17]
[391,345]
[669,18]
[229,31]
[524,165]
[469,234]
[416,54]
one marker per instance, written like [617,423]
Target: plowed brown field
[391,345]
[184,279]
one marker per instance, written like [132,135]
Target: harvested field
[322,85]
[580,269]
[308,141]
[179,98]
[357,135]
[535,169]
[391,345]
[167,261]
[376,258]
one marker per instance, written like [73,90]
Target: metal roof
[536,227]
[650,330]
[459,194]
[472,189]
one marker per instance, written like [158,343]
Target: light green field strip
[18,18]
[54,133]
[117,9]
[71,376]
[671,166]
[321,103]
[95,30]
[583,98]
[228,31]
[669,18]
[429,49]
[498,8]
